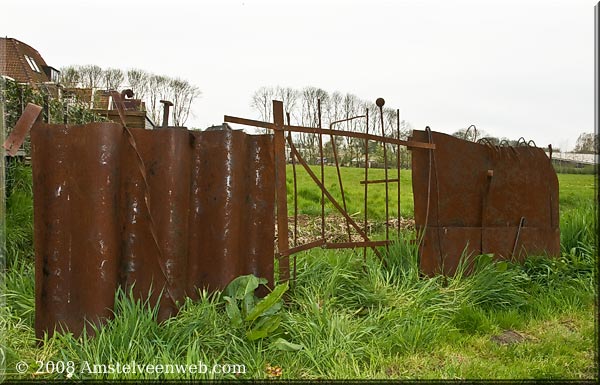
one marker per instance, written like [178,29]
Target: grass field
[575,190]
[344,318]
[309,196]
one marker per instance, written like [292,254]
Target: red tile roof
[14,62]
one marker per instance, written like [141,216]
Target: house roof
[21,62]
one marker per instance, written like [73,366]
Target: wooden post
[281,191]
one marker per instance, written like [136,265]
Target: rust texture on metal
[481,198]
[211,216]
[398,167]
[283,243]
[380,103]
[166,106]
[366,178]
[19,132]
[322,167]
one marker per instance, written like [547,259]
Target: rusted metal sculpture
[175,211]
[480,198]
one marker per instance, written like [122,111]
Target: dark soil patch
[509,337]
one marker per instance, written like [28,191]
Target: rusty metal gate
[280,129]
[469,198]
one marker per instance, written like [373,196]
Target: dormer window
[32,64]
[54,76]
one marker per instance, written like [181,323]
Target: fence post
[281,191]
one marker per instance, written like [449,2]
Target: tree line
[303,108]
[587,143]
[147,86]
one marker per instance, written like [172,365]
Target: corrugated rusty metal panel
[212,205]
[474,195]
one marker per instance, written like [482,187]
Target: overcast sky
[512,68]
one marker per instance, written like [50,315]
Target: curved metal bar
[474,130]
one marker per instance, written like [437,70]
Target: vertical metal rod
[380,102]
[339,175]
[295,185]
[322,170]
[280,187]
[166,105]
[398,164]
[287,114]
[366,178]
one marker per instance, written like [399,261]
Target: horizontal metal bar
[310,130]
[379,181]
[350,245]
[306,246]
[360,135]
[249,122]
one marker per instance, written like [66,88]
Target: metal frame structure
[284,251]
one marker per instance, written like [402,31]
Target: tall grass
[345,317]
[350,319]
[19,212]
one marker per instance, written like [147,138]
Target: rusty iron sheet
[21,129]
[471,195]
[211,198]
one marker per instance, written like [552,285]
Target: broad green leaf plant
[259,317]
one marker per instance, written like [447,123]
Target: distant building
[573,158]
[24,64]
[134,109]
[220,127]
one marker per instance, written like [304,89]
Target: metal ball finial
[380,102]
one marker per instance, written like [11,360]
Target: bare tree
[310,96]
[289,98]
[138,81]
[113,78]
[309,117]
[336,106]
[70,76]
[91,76]
[183,93]
[587,143]
[333,111]
[262,102]
[157,90]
